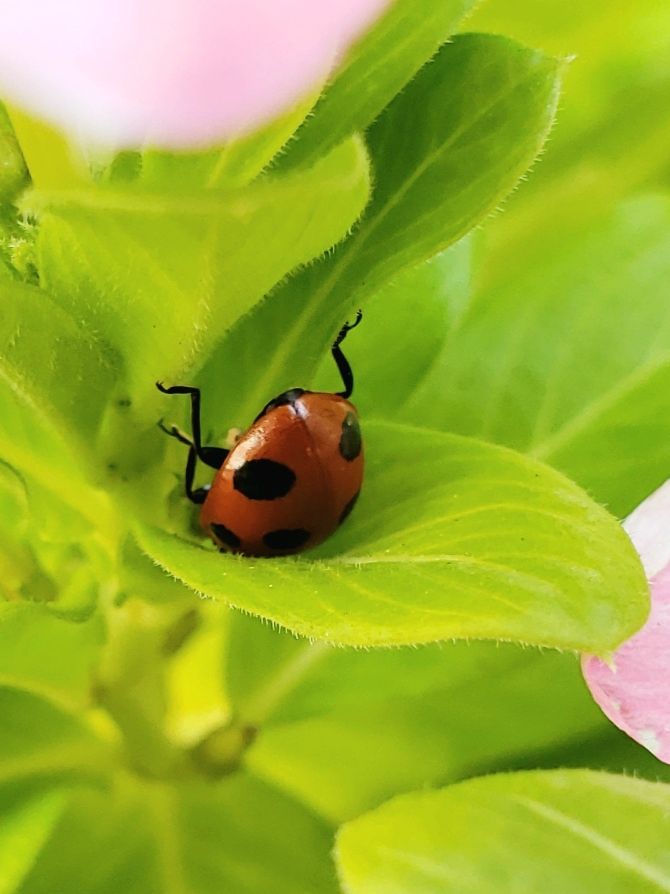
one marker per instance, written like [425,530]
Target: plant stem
[131,687]
[221,752]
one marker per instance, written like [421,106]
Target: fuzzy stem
[131,687]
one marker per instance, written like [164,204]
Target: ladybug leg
[174,432]
[199,495]
[196,496]
[211,456]
[341,361]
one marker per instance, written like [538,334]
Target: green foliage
[162,276]
[58,370]
[152,741]
[26,825]
[553,832]
[537,388]
[151,839]
[229,167]
[476,542]
[13,172]
[41,742]
[423,717]
[405,37]
[484,92]
[33,643]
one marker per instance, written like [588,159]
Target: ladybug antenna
[341,360]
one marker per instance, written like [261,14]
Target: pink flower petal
[633,690]
[648,527]
[171,73]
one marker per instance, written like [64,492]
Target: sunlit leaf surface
[451,538]
[383,60]
[555,832]
[580,380]
[444,154]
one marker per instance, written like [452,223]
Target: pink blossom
[633,689]
[171,73]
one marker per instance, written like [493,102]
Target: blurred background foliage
[609,149]
[611,135]
[581,255]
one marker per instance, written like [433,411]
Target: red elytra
[291,479]
[320,482]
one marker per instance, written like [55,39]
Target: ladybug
[291,479]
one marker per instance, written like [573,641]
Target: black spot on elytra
[350,439]
[346,512]
[286,538]
[263,479]
[225,535]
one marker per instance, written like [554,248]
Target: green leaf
[55,378]
[53,162]
[140,577]
[46,655]
[597,153]
[17,563]
[384,59]
[237,836]
[50,556]
[25,824]
[103,844]
[393,721]
[551,832]
[61,504]
[479,139]
[406,324]
[40,741]
[161,277]
[269,843]
[58,544]
[444,153]
[13,172]
[605,748]
[53,363]
[469,540]
[275,678]
[227,167]
[29,442]
[581,378]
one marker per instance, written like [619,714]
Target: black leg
[198,495]
[214,457]
[174,432]
[341,360]
[211,456]
[194,394]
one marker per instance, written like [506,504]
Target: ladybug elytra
[291,479]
